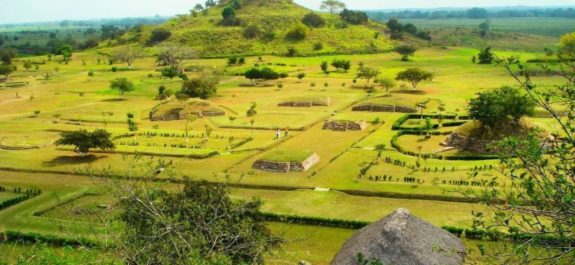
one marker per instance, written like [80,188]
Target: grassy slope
[204,34]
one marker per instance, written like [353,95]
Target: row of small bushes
[397,125]
[14,201]
[48,239]
[319,221]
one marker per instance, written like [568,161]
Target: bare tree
[173,55]
[128,55]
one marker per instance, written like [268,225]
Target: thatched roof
[402,239]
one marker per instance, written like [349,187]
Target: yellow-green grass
[5,195]
[283,155]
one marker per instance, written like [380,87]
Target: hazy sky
[15,11]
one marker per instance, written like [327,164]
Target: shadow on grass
[114,100]
[409,92]
[72,160]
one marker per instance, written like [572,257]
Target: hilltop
[263,27]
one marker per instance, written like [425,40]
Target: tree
[253,74]
[367,73]
[6,70]
[396,29]
[66,52]
[128,55]
[313,20]
[200,87]
[386,83]
[484,28]
[476,13]
[27,65]
[205,226]
[6,55]
[123,85]
[333,6]
[170,72]
[567,44]
[173,55]
[414,76]
[268,74]
[498,107]
[485,56]
[83,140]
[159,35]
[354,17]
[228,13]
[325,67]
[535,206]
[405,51]
[132,126]
[252,110]
[341,64]
[164,93]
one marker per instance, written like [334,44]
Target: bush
[313,20]
[201,87]
[159,35]
[252,32]
[354,17]
[297,33]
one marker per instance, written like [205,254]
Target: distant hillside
[270,22]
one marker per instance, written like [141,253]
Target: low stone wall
[178,114]
[285,167]
[343,126]
[384,108]
[467,143]
[300,104]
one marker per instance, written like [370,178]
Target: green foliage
[325,67]
[494,108]
[297,33]
[405,51]
[66,52]
[333,6]
[567,44]
[205,224]
[367,73]
[83,140]
[386,83]
[252,32]
[354,17]
[341,64]
[414,76]
[122,84]
[159,35]
[228,12]
[7,69]
[201,87]
[265,74]
[170,72]
[486,56]
[313,20]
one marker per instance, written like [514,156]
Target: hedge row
[399,122]
[319,221]
[48,239]
[29,193]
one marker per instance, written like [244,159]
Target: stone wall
[343,126]
[467,143]
[300,104]
[384,108]
[285,167]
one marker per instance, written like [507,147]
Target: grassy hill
[274,18]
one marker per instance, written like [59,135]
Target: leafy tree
[132,126]
[410,28]
[485,56]
[228,13]
[262,74]
[6,70]
[27,65]
[159,35]
[297,33]
[354,17]
[535,207]
[367,73]
[253,74]
[83,140]
[333,6]
[313,20]
[6,55]
[252,110]
[210,3]
[405,51]
[325,67]
[252,31]
[567,44]
[414,76]
[164,93]
[201,87]
[396,29]
[123,85]
[170,72]
[484,28]
[66,52]
[128,55]
[386,83]
[497,107]
[476,13]
[341,64]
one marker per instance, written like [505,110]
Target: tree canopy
[354,17]
[333,6]
[83,140]
[123,85]
[200,87]
[405,51]
[313,20]
[414,76]
[494,108]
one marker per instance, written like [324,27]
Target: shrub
[159,35]
[252,32]
[201,87]
[313,20]
[297,33]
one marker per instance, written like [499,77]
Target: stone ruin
[304,104]
[183,111]
[462,142]
[286,167]
[342,126]
[384,108]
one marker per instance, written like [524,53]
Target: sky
[19,11]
